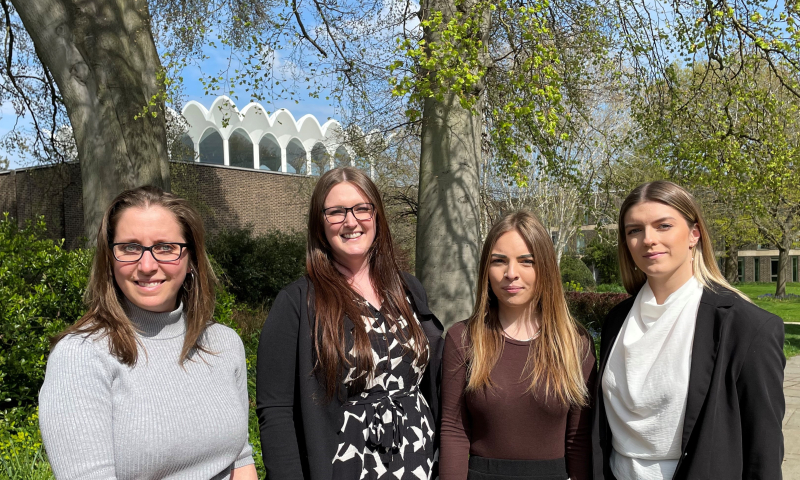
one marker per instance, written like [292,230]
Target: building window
[794,270]
[296,158]
[773,270]
[211,149]
[554,237]
[740,278]
[580,244]
[269,154]
[757,269]
[240,149]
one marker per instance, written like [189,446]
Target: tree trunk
[104,60]
[449,223]
[732,264]
[783,263]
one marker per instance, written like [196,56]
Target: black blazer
[735,404]
[298,427]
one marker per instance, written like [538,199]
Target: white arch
[225,118]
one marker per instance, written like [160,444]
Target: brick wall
[226,197]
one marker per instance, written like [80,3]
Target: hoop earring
[189,279]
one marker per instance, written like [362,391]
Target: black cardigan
[298,427]
[735,405]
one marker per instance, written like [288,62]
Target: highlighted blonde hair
[554,360]
[704,266]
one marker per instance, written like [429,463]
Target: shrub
[572,287]
[610,288]
[602,253]
[257,267]
[590,309]
[573,270]
[41,292]
[22,456]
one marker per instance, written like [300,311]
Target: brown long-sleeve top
[508,421]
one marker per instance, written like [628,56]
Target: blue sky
[193,90]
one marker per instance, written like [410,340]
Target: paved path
[791,421]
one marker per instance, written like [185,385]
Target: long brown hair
[704,267]
[334,298]
[106,316]
[555,360]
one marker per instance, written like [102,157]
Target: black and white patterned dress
[387,430]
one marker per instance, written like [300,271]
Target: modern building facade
[253,138]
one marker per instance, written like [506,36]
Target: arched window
[296,157]
[182,149]
[211,148]
[341,158]
[269,154]
[240,149]
[320,160]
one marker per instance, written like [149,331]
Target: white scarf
[646,382]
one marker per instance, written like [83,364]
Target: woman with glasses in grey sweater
[145,385]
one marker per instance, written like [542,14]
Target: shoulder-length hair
[704,266]
[106,316]
[334,298]
[555,360]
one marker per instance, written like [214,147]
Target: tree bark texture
[783,263]
[104,60]
[449,221]
[732,264]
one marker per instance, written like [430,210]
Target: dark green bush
[257,267]
[590,309]
[575,271]
[602,253]
[41,292]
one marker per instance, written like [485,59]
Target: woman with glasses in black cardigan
[349,357]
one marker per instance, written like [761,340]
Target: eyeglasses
[361,211]
[162,252]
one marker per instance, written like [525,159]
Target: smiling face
[352,239]
[660,242]
[148,284]
[512,275]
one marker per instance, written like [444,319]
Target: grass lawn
[788,310]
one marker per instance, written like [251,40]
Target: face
[660,240]
[148,284]
[350,240]
[512,275]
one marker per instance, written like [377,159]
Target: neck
[352,269]
[663,287]
[519,322]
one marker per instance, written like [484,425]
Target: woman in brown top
[517,375]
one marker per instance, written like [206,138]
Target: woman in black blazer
[349,359]
[691,371]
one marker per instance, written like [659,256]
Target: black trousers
[496,469]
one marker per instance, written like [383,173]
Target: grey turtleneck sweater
[101,419]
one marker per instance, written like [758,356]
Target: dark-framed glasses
[361,211]
[162,252]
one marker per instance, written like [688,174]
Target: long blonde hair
[555,360]
[704,267]
[106,316]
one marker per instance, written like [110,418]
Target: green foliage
[590,309]
[257,267]
[572,287]
[22,455]
[573,270]
[41,292]
[524,102]
[791,346]
[610,288]
[602,253]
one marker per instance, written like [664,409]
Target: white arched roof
[224,117]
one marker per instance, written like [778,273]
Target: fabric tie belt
[386,420]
